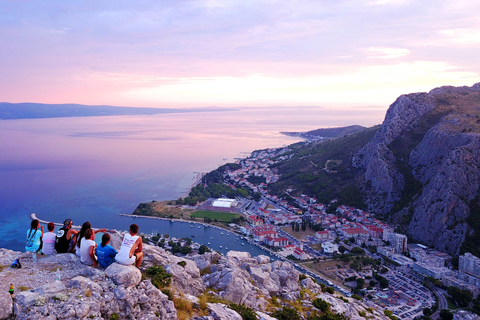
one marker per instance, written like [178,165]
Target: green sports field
[220,216]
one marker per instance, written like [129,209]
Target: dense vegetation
[335,132]
[324,170]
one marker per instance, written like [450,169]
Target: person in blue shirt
[105,253]
[34,237]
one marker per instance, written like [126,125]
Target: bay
[94,168]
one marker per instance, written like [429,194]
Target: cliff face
[422,166]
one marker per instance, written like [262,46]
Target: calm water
[93,168]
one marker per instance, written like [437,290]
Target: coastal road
[442,301]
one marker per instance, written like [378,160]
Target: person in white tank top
[87,249]
[131,250]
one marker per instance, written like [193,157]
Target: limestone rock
[436,137]
[6,305]
[127,276]
[262,259]
[264,316]
[220,312]
[186,278]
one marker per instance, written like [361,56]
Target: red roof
[355,230]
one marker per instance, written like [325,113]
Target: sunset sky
[342,53]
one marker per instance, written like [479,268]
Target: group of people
[82,243]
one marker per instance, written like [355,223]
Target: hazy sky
[235,53]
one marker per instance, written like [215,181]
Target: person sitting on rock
[81,234]
[49,240]
[131,249]
[105,253]
[65,237]
[34,237]
[88,248]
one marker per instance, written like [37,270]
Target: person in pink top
[49,240]
[131,248]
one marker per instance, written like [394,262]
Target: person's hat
[66,223]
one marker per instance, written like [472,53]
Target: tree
[383,283]
[342,249]
[245,312]
[357,250]
[321,304]
[360,283]
[286,314]
[330,290]
[461,297]
[203,248]
[446,315]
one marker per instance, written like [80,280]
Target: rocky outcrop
[377,158]
[438,135]
[243,280]
[84,292]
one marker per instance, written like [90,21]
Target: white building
[329,247]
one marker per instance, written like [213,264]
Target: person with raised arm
[65,239]
[81,234]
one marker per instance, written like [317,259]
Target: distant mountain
[326,132]
[420,169]
[9,111]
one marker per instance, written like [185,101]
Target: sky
[174,53]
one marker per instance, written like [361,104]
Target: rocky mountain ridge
[418,170]
[422,165]
[122,292]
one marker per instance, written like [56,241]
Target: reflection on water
[93,168]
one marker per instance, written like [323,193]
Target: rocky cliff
[422,166]
[202,287]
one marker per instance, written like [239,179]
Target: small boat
[221,233]
[198,227]
[221,247]
[208,243]
[243,244]
[191,226]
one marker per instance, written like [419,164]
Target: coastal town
[414,276]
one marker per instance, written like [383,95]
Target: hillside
[324,169]
[326,132]
[418,170]
[423,167]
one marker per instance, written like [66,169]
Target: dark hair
[105,239]
[50,226]
[86,225]
[88,233]
[34,224]
[134,228]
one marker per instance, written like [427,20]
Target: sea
[96,168]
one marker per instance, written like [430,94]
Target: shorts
[128,261]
